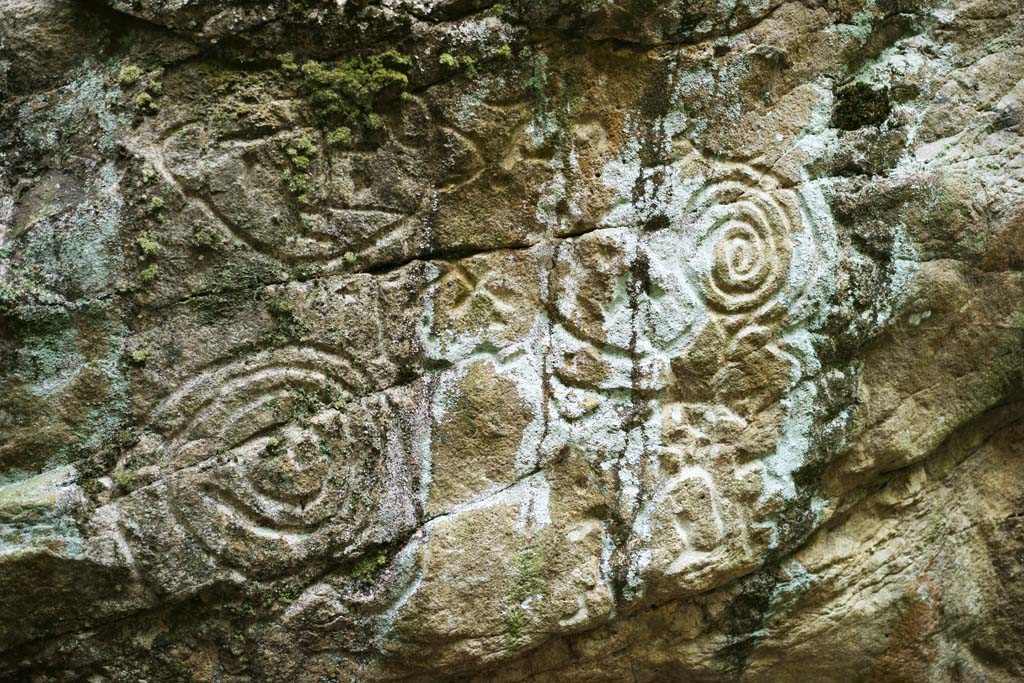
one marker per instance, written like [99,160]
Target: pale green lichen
[67,383]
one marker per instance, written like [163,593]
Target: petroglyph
[527,341]
[268,459]
[743,235]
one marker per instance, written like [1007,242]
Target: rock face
[550,341]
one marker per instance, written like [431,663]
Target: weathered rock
[421,341]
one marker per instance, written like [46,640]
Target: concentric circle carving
[267,473]
[743,232]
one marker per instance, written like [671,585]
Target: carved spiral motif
[264,477]
[743,231]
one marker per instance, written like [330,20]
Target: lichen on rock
[443,340]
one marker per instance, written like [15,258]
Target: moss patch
[366,569]
[300,154]
[288,327]
[344,96]
[129,75]
[149,247]
[145,104]
[243,101]
[149,274]
[465,63]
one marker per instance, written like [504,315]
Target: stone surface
[544,341]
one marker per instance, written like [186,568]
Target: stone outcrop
[543,341]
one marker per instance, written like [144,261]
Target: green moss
[123,477]
[274,448]
[144,104]
[280,307]
[155,208]
[238,100]
[504,52]
[149,274]
[345,95]
[303,11]
[139,357]
[860,105]
[129,75]
[205,237]
[341,97]
[529,568]
[515,622]
[340,136]
[300,154]
[149,247]
[288,327]
[466,63]
[288,63]
[366,569]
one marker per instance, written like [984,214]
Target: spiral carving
[743,245]
[266,472]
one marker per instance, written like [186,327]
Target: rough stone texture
[551,341]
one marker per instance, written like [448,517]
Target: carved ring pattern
[743,240]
